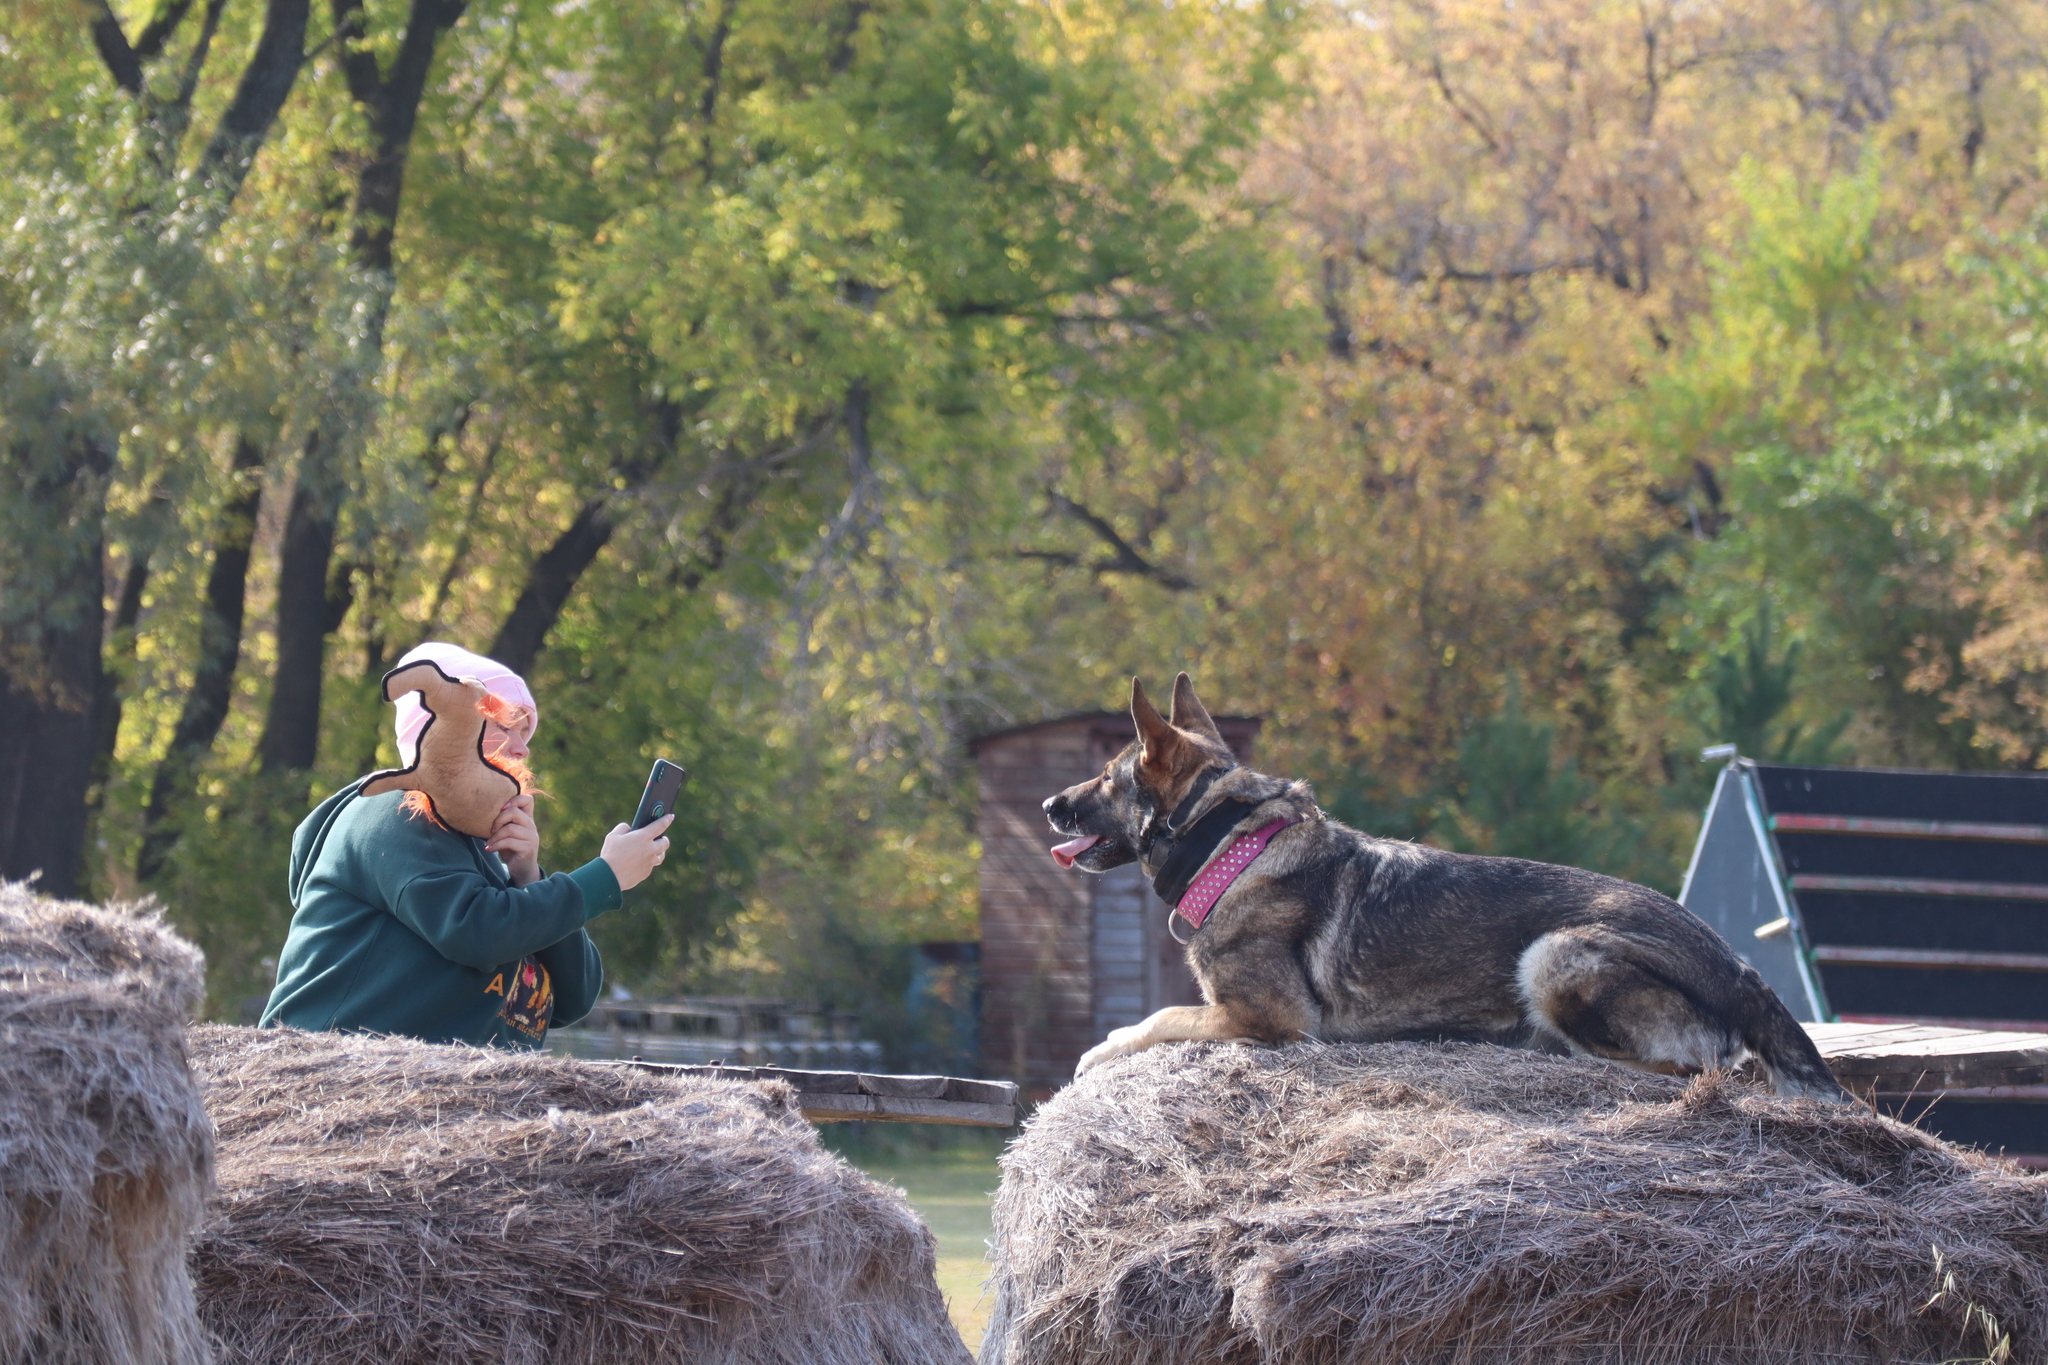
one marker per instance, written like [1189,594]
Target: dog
[1304,928]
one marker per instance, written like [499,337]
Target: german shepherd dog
[1333,934]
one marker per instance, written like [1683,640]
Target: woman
[404,926]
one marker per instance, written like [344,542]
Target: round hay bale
[105,1152]
[388,1202]
[1418,1203]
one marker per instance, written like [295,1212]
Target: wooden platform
[1927,1059]
[1901,1067]
[841,1096]
[1986,1087]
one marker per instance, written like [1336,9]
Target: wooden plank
[1865,1036]
[1928,1059]
[1830,1035]
[956,1112]
[904,1087]
[1967,1043]
[2032,1094]
[1929,1041]
[892,1109]
[965,1091]
[1919,886]
[837,1096]
[1911,829]
[1977,1025]
[1943,1073]
[1931,958]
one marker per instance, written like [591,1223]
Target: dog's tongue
[1064,854]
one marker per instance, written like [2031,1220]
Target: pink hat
[456,662]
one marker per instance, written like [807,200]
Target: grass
[950,1176]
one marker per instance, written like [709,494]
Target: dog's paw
[1121,1042]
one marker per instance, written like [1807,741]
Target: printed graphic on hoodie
[529,998]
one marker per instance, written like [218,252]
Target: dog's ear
[1190,714]
[1162,742]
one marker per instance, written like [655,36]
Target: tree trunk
[306,614]
[554,575]
[309,607]
[120,661]
[213,675]
[549,582]
[259,96]
[57,714]
[51,675]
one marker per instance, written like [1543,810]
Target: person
[404,926]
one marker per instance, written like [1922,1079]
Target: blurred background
[1497,401]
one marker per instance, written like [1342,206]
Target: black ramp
[1940,923]
[1922,895]
[1948,860]
[2014,1127]
[1901,794]
[1733,887]
[1942,993]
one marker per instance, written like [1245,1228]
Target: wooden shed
[1910,904]
[1065,956]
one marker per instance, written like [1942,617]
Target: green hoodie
[403,926]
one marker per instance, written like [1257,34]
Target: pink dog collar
[1207,889]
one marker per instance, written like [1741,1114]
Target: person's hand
[515,839]
[633,853]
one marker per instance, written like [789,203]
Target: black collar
[1157,832]
[1177,821]
[1191,848]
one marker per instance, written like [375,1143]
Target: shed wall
[1037,993]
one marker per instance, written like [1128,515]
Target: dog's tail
[1775,1039]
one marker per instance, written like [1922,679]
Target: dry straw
[105,1153]
[1419,1203]
[385,1202]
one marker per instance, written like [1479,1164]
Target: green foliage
[1876,415]
[811,306]
[1513,796]
[1751,688]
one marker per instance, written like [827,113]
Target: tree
[1752,685]
[60,458]
[1515,799]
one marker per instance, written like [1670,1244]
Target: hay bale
[105,1152]
[385,1202]
[1418,1203]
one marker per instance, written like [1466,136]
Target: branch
[460,553]
[843,48]
[188,83]
[1470,119]
[358,64]
[392,104]
[1029,305]
[149,44]
[1124,558]
[714,68]
[122,63]
[1468,275]
[266,83]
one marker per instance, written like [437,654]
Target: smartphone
[660,797]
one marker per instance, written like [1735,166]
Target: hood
[311,836]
